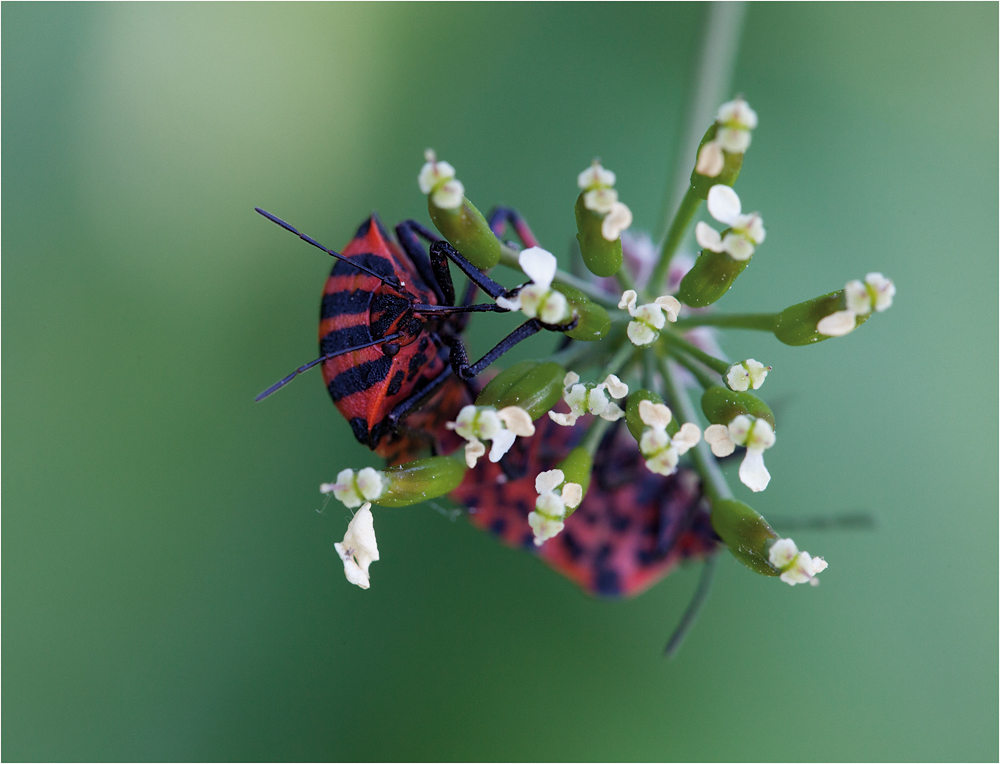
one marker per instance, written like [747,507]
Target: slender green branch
[716,364]
[693,608]
[713,481]
[508,257]
[705,379]
[675,235]
[762,322]
[624,280]
[619,359]
[594,435]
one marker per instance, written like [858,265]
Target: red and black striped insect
[390,333]
[632,528]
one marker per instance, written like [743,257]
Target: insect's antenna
[278,385]
[391,280]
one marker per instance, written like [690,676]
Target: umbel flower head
[354,489]
[796,567]
[745,231]
[661,451]
[479,423]
[538,299]
[649,318]
[757,435]
[550,507]
[437,179]
[590,399]
[746,375]
[736,121]
[601,197]
[875,293]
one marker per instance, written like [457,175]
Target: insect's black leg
[442,251]
[460,359]
[408,232]
[405,407]
[500,217]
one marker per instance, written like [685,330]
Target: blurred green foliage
[171,591]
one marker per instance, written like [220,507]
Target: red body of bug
[367,385]
[632,528]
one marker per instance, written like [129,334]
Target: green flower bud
[711,277]
[420,480]
[593,321]
[635,423]
[576,467]
[746,533]
[722,405]
[797,324]
[601,256]
[466,230]
[732,163]
[535,387]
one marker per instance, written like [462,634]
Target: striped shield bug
[390,333]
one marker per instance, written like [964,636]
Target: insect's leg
[460,359]
[500,217]
[442,251]
[408,232]
[405,407]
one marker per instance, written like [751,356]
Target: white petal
[612,413]
[619,218]
[352,571]
[616,387]
[595,175]
[517,420]
[664,462]
[570,379]
[539,265]
[783,551]
[474,449]
[738,112]
[708,237]
[738,378]
[753,473]
[640,335]
[597,400]
[361,536]
[514,304]
[757,372]
[686,438]
[433,173]
[501,444]
[670,305]
[576,399]
[857,298]
[652,314]
[884,290]
[543,527]
[735,140]
[654,414]
[717,436]
[554,309]
[449,195]
[600,200]
[566,420]
[819,565]
[710,160]
[548,481]
[761,436]
[653,440]
[723,204]
[532,298]
[737,246]
[550,505]
[371,484]
[572,494]
[628,300]
[837,324]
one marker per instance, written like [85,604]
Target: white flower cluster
[660,450]
[875,293]
[649,318]
[745,231]
[601,197]
[590,399]
[550,507]
[479,423]
[736,120]
[756,435]
[354,489]
[359,549]
[438,179]
[796,567]
[746,375]
[538,299]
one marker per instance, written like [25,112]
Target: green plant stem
[624,280]
[508,257]
[675,235]
[705,379]
[693,608]
[619,359]
[713,481]
[716,364]
[762,322]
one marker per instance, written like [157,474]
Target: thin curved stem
[761,322]
[704,378]
[715,364]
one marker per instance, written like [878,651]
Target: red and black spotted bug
[390,334]
[632,528]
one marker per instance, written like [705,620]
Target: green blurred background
[171,592]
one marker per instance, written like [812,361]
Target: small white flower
[354,489]
[736,119]
[590,399]
[479,423]
[359,549]
[711,160]
[619,218]
[595,176]
[746,375]
[660,450]
[600,200]
[796,567]
[876,292]
[757,435]
[438,179]
[538,299]
[649,318]
[550,508]
[746,231]
[837,324]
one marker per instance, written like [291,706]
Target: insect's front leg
[500,217]
[460,359]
